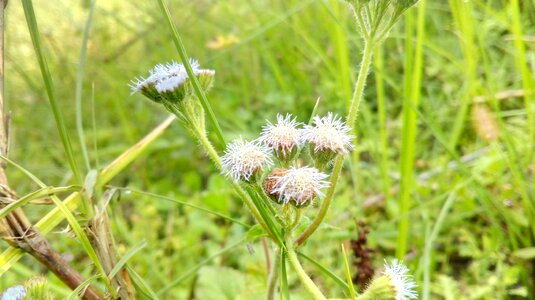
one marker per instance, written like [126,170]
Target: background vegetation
[472,199]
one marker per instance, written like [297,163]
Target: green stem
[212,153]
[351,118]
[273,278]
[310,286]
[361,82]
[87,207]
[185,60]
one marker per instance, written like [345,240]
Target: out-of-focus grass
[280,56]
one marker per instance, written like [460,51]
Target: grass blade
[426,287]
[325,271]
[142,285]
[78,88]
[58,117]
[43,192]
[348,274]
[54,217]
[120,264]
[410,105]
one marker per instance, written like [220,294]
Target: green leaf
[525,253]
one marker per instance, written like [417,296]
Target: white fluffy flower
[17,292]
[329,134]
[243,159]
[402,282]
[167,77]
[282,137]
[297,184]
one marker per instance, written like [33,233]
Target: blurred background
[472,225]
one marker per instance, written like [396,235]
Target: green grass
[457,207]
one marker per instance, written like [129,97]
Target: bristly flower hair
[329,133]
[17,292]
[401,280]
[169,81]
[243,160]
[394,283]
[299,185]
[283,137]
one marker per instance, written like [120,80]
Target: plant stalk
[310,286]
[351,118]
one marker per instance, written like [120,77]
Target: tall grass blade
[78,88]
[412,97]
[58,117]
[428,248]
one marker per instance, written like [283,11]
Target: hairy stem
[212,153]
[351,118]
[310,286]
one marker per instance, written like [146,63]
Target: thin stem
[212,153]
[361,82]
[273,278]
[310,286]
[351,118]
[185,60]
[78,87]
[58,117]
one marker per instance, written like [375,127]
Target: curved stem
[212,153]
[351,118]
[310,286]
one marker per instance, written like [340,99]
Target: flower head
[394,283]
[402,282]
[244,159]
[17,292]
[329,134]
[170,81]
[299,185]
[283,137]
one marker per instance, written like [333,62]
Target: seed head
[300,185]
[244,159]
[402,282]
[328,134]
[394,283]
[17,292]
[170,81]
[283,137]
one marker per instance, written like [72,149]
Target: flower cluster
[289,183]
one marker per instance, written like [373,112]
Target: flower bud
[17,292]
[298,186]
[284,138]
[244,160]
[171,83]
[394,284]
[37,288]
[328,137]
